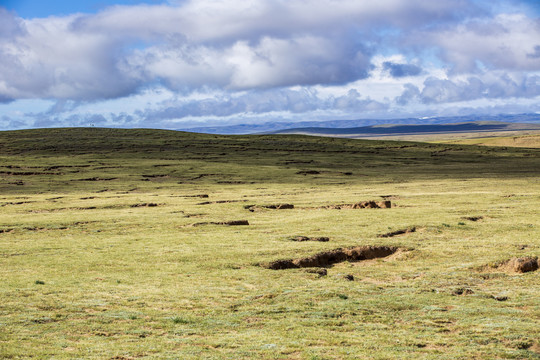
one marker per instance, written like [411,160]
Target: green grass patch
[101,257]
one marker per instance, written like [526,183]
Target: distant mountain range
[382,127]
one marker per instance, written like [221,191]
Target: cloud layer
[221,59]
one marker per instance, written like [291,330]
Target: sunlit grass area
[115,244]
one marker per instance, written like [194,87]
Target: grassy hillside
[513,140]
[115,244]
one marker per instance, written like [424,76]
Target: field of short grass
[530,140]
[117,244]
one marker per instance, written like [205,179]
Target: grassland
[110,249]
[528,140]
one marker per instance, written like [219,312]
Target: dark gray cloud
[401,70]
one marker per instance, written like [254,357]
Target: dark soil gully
[398,232]
[328,258]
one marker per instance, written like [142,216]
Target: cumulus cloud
[44,58]
[211,21]
[232,45]
[294,57]
[506,41]
[270,62]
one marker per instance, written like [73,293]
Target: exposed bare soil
[386,204]
[228,223]
[307,238]
[472,218]
[521,264]
[144,205]
[220,202]
[398,232]
[328,258]
[253,208]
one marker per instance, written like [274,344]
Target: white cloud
[500,85]
[230,44]
[46,59]
[507,41]
[221,59]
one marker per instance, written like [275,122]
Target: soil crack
[307,238]
[328,258]
[227,223]
[386,204]
[398,232]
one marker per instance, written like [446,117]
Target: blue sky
[181,63]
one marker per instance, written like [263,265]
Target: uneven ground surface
[140,244]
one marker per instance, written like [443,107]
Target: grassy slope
[513,140]
[139,282]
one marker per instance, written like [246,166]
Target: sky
[191,63]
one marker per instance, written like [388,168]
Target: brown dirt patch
[514,265]
[227,223]
[45,229]
[328,258]
[462,291]
[472,218]
[144,205]
[235,222]
[521,264]
[204,175]
[27,173]
[96,179]
[195,215]
[307,238]
[5,231]
[234,182]
[386,204]
[253,208]
[16,203]
[288,162]
[320,272]
[155,176]
[279,206]
[220,202]
[398,232]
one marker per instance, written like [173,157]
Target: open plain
[141,244]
